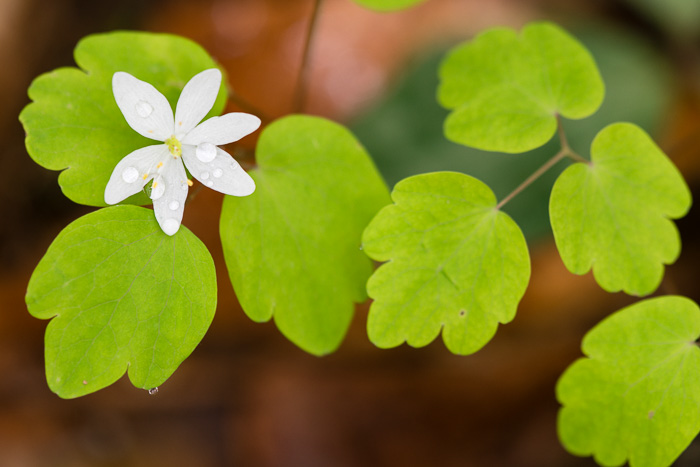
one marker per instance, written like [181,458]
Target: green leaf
[122,295]
[388,5]
[507,90]
[74,124]
[613,215]
[636,396]
[456,263]
[293,247]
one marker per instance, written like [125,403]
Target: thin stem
[565,151]
[302,79]
[537,174]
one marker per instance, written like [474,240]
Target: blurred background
[246,396]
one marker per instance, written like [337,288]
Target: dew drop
[204,175]
[174,205]
[210,183]
[170,226]
[153,391]
[130,174]
[157,189]
[217,173]
[206,152]
[144,109]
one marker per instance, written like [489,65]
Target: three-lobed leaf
[613,215]
[120,295]
[293,247]
[74,124]
[636,395]
[455,263]
[507,90]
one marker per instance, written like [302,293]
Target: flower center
[174,146]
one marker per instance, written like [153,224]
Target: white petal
[145,109]
[222,174]
[196,100]
[169,207]
[223,130]
[128,176]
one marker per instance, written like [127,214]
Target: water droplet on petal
[204,175]
[210,183]
[153,391]
[174,205]
[157,189]
[130,174]
[170,226]
[217,173]
[206,152]
[144,109]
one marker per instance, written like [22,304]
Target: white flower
[148,112]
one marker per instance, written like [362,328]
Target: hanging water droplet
[174,205]
[144,109]
[217,173]
[204,175]
[170,226]
[130,174]
[206,152]
[153,391]
[210,183]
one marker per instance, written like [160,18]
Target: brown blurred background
[246,396]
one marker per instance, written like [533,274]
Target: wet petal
[196,100]
[145,109]
[223,130]
[221,174]
[133,171]
[170,206]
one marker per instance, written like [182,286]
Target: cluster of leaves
[125,296]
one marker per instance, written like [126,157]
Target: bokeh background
[246,396]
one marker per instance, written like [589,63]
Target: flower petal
[223,130]
[145,109]
[133,171]
[222,174]
[196,100]
[170,206]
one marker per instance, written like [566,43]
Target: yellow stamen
[155,184]
[189,182]
[174,146]
[160,164]
[145,176]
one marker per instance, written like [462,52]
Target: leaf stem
[301,86]
[565,151]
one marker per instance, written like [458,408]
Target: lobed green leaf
[455,263]
[636,395]
[506,90]
[293,247]
[74,124]
[613,215]
[120,295]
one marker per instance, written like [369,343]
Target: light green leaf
[122,295]
[74,124]
[636,397]
[613,215]
[293,247]
[388,5]
[456,264]
[507,90]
